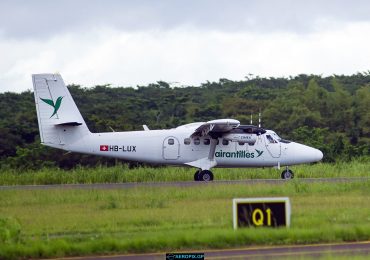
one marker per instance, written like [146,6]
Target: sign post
[261,212]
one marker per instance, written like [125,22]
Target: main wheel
[287,174]
[197,175]
[206,175]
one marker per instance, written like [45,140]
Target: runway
[261,252]
[177,183]
[293,251]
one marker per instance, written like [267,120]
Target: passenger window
[196,141]
[171,141]
[241,143]
[206,141]
[225,142]
[187,141]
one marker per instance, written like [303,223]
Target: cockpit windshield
[279,138]
[276,136]
[271,139]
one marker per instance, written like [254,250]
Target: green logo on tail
[56,106]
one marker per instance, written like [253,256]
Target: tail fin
[60,121]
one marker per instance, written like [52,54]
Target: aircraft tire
[287,174]
[206,175]
[197,175]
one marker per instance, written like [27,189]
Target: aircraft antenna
[259,119]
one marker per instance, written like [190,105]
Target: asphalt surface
[174,184]
[293,252]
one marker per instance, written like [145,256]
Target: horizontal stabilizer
[69,124]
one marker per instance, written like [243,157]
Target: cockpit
[272,137]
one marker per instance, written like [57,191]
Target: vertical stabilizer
[60,121]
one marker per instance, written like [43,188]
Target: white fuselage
[62,126]
[174,147]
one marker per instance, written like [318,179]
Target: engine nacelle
[241,138]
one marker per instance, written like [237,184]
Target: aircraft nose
[318,155]
[315,154]
[306,154]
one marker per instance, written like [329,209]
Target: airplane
[203,145]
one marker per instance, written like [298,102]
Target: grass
[72,222]
[121,173]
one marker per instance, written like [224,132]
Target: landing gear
[287,174]
[196,175]
[204,175]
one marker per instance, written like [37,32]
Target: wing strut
[209,162]
[212,149]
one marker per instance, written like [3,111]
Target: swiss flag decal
[104,148]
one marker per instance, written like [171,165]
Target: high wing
[215,127]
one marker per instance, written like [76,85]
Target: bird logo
[56,106]
[259,153]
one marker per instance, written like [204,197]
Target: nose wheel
[204,175]
[287,174]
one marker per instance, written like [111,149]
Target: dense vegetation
[329,113]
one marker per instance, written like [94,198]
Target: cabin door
[171,148]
